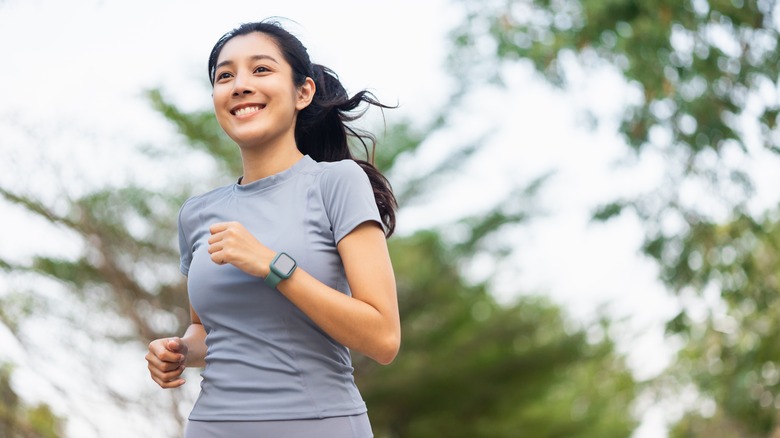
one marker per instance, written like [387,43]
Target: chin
[245,139]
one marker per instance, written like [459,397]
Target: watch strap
[272,279]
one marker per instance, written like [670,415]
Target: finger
[162,354]
[164,365]
[166,384]
[215,247]
[166,371]
[168,350]
[216,237]
[162,377]
[218,227]
[218,258]
[174,384]
[169,375]
[176,345]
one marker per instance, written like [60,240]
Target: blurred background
[589,226]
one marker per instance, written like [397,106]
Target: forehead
[249,45]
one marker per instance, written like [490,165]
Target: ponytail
[322,132]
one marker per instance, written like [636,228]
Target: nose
[242,85]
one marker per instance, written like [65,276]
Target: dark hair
[322,129]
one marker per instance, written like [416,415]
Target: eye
[223,75]
[261,69]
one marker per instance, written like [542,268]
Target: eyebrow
[253,58]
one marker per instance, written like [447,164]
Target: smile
[247,110]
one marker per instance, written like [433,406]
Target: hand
[166,359]
[231,243]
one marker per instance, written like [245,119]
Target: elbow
[388,350]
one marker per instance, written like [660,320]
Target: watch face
[285,264]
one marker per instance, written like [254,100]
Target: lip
[239,107]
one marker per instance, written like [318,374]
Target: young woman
[288,268]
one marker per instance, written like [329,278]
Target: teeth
[247,110]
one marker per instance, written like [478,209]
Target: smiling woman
[255,100]
[288,268]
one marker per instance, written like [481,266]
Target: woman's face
[255,100]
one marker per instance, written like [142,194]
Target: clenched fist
[166,359]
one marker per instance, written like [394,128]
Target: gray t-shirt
[266,360]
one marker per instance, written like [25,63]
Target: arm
[168,357]
[195,340]
[367,322]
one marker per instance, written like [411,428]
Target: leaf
[608,211]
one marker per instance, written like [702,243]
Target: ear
[305,94]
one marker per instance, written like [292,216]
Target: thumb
[175,345]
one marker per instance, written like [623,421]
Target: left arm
[367,322]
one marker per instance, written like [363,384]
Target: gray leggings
[354,426]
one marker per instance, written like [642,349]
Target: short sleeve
[349,198]
[185,249]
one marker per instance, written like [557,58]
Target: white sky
[81,66]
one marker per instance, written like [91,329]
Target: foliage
[715,425]
[126,239]
[471,367]
[468,365]
[731,353]
[20,421]
[707,102]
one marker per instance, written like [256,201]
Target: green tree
[469,366]
[20,421]
[705,76]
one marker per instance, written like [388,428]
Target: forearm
[195,339]
[353,323]
[367,322]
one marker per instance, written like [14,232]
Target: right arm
[168,357]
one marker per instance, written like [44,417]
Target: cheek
[215,100]
[220,94]
[222,118]
[218,103]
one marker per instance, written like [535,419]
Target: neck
[264,162]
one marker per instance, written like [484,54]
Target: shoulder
[336,173]
[198,202]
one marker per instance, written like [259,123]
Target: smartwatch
[282,267]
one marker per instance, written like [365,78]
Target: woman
[288,268]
